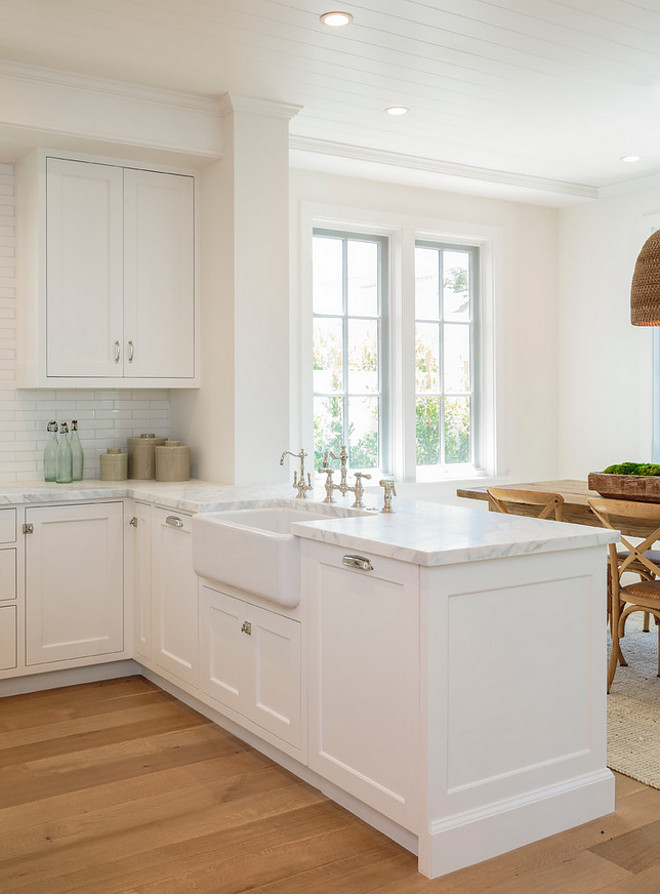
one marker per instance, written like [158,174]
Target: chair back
[501,499]
[646,517]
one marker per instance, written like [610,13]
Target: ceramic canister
[172,462]
[142,456]
[114,465]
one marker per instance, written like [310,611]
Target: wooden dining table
[576,508]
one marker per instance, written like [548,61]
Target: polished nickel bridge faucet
[342,487]
[299,484]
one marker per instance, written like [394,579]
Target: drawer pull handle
[358,562]
[117,351]
[173,521]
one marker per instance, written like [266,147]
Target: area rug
[633,707]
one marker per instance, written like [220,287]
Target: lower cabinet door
[363,648]
[138,558]
[174,596]
[7,637]
[74,582]
[252,662]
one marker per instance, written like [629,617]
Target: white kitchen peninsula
[450,684]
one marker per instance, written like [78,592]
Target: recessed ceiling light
[396,110]
[629,158]
[336,19]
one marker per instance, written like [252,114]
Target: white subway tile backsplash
[106,418]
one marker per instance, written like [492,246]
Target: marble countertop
[421,532]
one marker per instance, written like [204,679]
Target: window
[400,370]
[445,354]
[350,347]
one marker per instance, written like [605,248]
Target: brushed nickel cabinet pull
[134,522]
[246,628]
[173,521]
[358,562]
[28,529]
[117,350]
[131,351]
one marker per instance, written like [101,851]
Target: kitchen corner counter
[417,532]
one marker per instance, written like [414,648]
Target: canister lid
[148,435]
[113,450]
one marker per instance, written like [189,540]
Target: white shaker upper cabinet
[159,324]
[106,266]
[84,269]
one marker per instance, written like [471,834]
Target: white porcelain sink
[253,550]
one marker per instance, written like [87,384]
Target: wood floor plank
[636,851]
[117,788]
[127,795]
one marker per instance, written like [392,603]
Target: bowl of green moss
[628,481]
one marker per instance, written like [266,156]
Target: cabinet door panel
[276,682]
[7,637]
[84,269]
[363,684]
[223,674]
[7,574]
[175,618]
[140,578]
[159,274]
[74,582]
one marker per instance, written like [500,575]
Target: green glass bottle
[64,464]
[50,453]
[77,458]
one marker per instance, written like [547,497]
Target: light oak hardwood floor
[117,788]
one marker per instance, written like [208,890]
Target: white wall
[106,418]
[528,323]
[605,362]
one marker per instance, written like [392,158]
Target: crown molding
[50,77]
[232,102]
[430,165]
[649,181]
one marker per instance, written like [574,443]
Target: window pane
[328,427]
[427,357]
[327,275]
[363,279]
[456,286]
[363,432]
[457,429]
[428,431]
[362,356]
[427,299]
[457,358]
[328,373]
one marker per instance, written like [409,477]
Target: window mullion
[344,353]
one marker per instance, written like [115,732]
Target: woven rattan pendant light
[645,286]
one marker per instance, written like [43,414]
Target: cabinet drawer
[7,574]
[7,637]
[7,525]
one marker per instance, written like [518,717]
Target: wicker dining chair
[502,499]
[643,596]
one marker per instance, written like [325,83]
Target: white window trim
[403,231]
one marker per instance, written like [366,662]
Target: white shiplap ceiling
[550,89]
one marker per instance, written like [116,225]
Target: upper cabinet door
[159,275]
[84,269]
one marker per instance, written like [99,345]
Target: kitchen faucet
[299,485]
